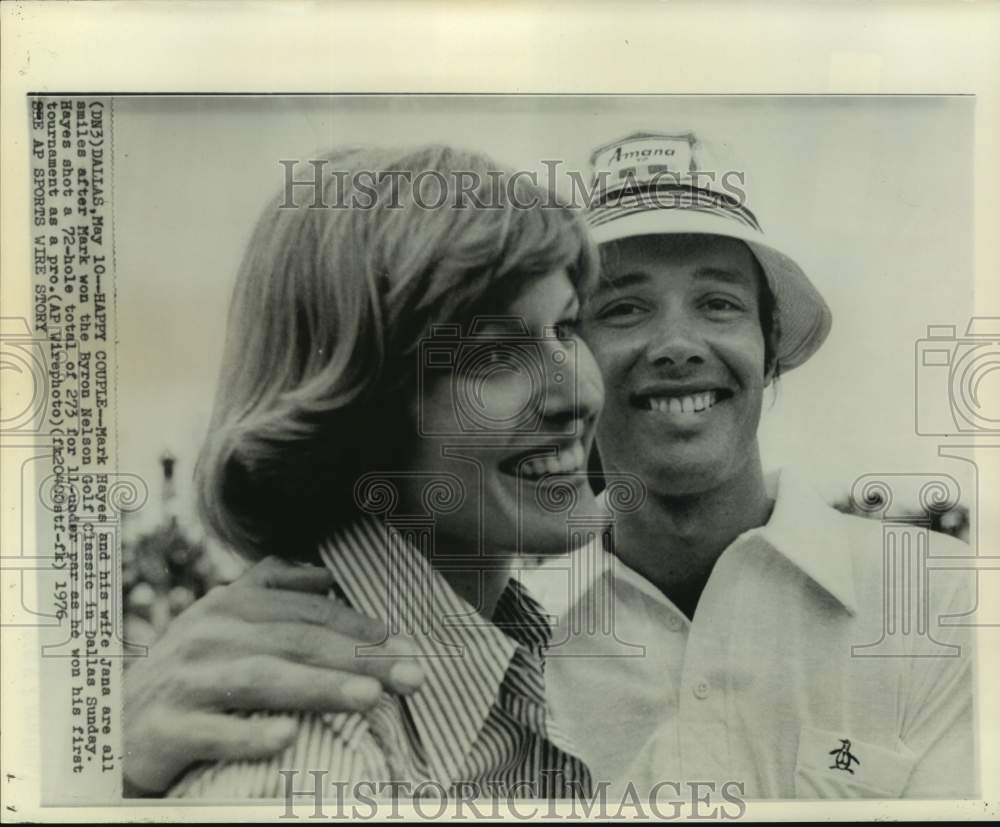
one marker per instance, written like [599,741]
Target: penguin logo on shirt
[844,757]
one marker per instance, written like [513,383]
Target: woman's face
[506,415]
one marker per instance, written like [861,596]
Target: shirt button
[675,624]
[702,690]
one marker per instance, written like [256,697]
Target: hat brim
[803,316]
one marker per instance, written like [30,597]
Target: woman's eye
[619,311]
[567,328]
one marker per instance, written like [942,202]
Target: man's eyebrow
[620,281]
[721,274]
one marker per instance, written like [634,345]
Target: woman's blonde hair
[319,374]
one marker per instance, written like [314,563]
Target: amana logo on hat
[641,157]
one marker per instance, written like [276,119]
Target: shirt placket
[702,701]
[567,773]
[525,705]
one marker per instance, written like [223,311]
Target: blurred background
[872,195]
[167,561]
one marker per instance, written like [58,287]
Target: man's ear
[770,373]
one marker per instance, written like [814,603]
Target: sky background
[872,196]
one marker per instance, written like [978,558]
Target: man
[753,598]
[742,610]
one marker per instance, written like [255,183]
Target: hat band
[671,197]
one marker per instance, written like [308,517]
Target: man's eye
[720,304]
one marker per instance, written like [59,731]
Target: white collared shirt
[768,685]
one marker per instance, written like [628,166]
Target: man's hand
[271,641]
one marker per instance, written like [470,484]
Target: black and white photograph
[510,455]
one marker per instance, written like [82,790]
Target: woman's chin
[551,538]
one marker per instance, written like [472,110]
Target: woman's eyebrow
[506,325]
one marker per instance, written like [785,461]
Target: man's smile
[682,404]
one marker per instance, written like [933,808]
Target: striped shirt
[480,722]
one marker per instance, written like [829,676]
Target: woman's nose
[575,388]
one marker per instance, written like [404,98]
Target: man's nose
[675,343]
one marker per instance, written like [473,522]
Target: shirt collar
[806,531]
[464,657]
[522,617]
[802,528]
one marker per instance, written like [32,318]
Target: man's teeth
[572,458]
[692,403]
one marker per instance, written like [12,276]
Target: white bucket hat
[649,183]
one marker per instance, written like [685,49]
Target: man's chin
[677,474]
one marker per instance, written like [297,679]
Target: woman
[373,413]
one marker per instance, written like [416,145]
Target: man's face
[675,328]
